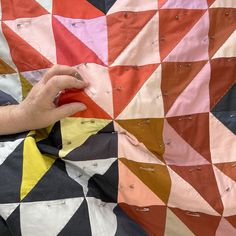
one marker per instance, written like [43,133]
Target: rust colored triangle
[176,76]
[228,169]
[78,9]
[122,28]
[221,68]
[154,176]
[5,68]
[14,9]
[198,223]
[174,25]
[194,129]
[126,82]
[25,57]
[232,220]
[210,2]
[92,111]
[151,218]
[202,178]
[147,131]
[222,25]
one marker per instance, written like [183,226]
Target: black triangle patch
[79,223]
[55,184]
[11,175]
[13,221]
[103,5]
[105,187]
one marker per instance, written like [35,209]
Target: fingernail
[78,76]
[82,106]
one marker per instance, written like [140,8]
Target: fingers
[61,70]
[62,82]
[68,110]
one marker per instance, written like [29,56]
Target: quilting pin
[147,169]
[144,209]
[195,214]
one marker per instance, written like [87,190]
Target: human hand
[38,109]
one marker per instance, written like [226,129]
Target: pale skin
[38,110]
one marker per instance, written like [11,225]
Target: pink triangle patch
[133,191]
[194,45]
[195,98]
[186,4]
[177,151]
[92,32]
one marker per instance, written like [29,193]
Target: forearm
[11,120]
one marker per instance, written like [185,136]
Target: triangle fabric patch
[155,177]
[195,204]
[195,97]
[228,169]
[228,49]
[133,191]
[22,53]
[74,53]
[198,223]
[117,23]
[5,68]
[222,25]
[130,5]
[194,45]
[92,32]
[141,51]
[151,91]
[7,209]
[78,9]
[194,129]
[174,224]
[52,215]
[177,151]
[202,179]
[21,9]
[124,87]
[33,30]
[222,142]
[100,88]
[185,4]
[35,165]
[172,21]
[103,5]
[223,4]
[148,132]
[53,183]
[227,191]
[145,216]
[225,228]
[79,222]
[46,4]
[176,76]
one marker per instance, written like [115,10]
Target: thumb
[68,110]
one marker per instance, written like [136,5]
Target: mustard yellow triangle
[75,131]
[26,86]
[35,165]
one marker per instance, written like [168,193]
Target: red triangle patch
[174,25]
[126,82]
[151,218]
[70,50]
[198,223]
[78,9]
[194,129]
[14,9]
[228,169]
[120,34]
[202,178]
[92,111]
[232,220]
[25,57]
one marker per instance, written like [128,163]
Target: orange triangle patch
[120,34]
[126,82]
[25,57]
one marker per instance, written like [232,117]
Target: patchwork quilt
[155,152]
